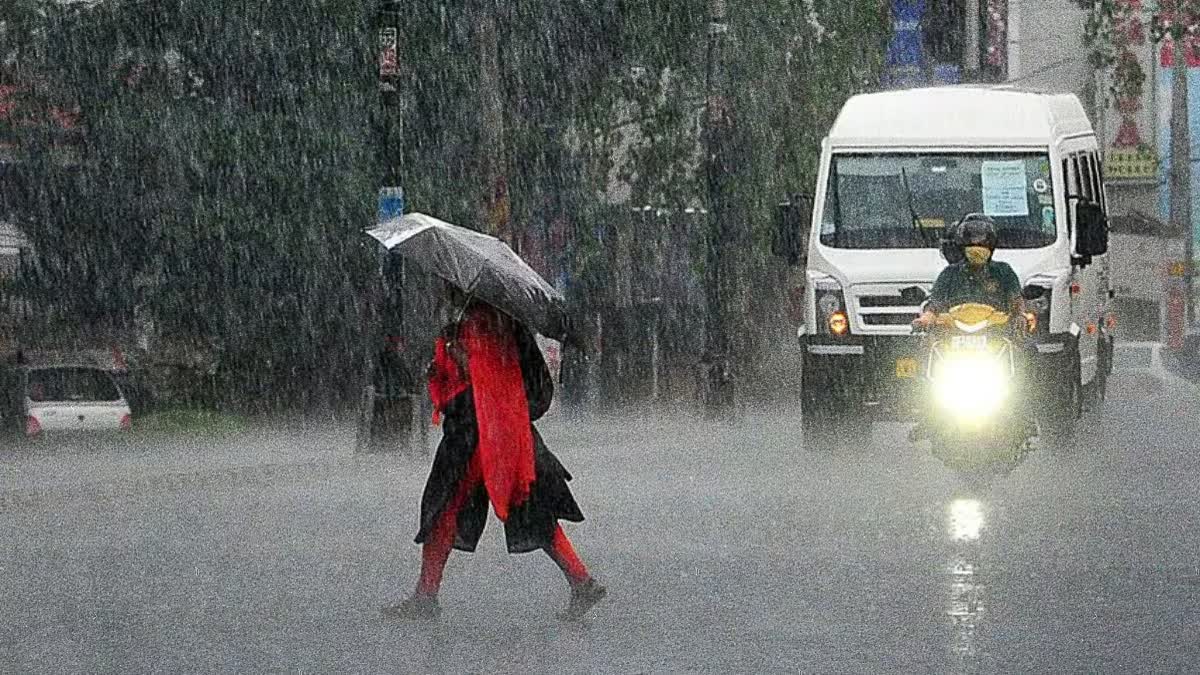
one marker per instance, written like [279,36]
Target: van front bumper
[883,372]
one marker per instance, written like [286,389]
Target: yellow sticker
[906,368]
[933,223]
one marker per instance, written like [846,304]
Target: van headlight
[832,318]
[972,387]
[1039,307]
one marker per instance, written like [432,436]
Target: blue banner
[1165,86]
[906,62]
[391,203]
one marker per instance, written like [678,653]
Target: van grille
[883,310]
[888,319]
[882,301]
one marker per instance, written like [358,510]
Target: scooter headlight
[972,387]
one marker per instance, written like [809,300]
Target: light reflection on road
[965,524]
[965,520]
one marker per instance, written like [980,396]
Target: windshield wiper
[912,210]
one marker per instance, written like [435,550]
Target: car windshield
[907,200]
[71,384]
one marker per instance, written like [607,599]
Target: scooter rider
[977,278]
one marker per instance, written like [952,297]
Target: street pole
[718,128]
[492,148]
[971,41]
[1181,169]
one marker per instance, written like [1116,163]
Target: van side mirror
[792,221]
[1091,225]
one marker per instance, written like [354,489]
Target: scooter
[974,404]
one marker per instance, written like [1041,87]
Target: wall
[1045,47]
[1140,264]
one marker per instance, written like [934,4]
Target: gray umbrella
[481,265]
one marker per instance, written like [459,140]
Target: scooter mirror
[1032,292]
[914,295]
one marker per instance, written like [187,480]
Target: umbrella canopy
[480,265]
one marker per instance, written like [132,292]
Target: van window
[906,200]
[1097,179]
[1078,184]
[1087,178]
[1071,178]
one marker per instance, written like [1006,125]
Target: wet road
[724,549]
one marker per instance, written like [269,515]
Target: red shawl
[501,408]
[446,381]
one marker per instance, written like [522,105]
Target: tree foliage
[226,170]
[231,151]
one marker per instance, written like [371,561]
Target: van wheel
[827,419]
[1064,407]
[822,424]
[1097,391]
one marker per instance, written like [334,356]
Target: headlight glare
[839,323]
[971,387]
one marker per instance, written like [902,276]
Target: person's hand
[459,354]
[923,322]
[1020,324]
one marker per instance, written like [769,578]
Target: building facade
[1043,45]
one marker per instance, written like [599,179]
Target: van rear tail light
[126,423]
[32,426]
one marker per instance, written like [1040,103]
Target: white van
[896,170]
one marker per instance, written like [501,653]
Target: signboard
[1131,165]
[389,58]
[391,203]
[906,52]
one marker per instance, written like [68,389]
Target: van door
[1088,284]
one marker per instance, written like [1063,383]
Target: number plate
[907,368]
[969,342]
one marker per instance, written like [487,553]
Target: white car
[72,398]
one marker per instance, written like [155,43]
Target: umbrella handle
[470,293]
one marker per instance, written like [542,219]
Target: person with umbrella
[489,383]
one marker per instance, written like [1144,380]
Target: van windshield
[907,200]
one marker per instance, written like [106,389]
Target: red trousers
[440,542]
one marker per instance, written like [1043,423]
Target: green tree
[227,160]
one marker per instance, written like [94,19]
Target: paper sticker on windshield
[1048,216]
[933,223]
[1004,188]
[1040,186]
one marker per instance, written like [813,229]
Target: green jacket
[995,284]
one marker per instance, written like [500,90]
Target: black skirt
[530,526]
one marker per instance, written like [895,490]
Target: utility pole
[379,418]
[492,148]
[971,40]
[718,139]
[1181,166]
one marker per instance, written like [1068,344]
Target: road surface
[725,549]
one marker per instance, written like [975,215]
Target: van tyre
[1064,406]
[1097,391]
[829,422]
[823,425]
